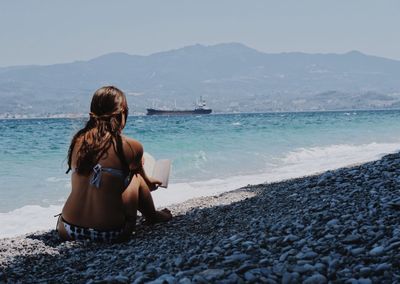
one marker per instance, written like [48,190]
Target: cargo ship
[200,108]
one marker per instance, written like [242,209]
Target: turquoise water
[202,148]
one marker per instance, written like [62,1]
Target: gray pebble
[164,279]
[199,279]
[351,239]
[212,274]
[365,271]
[364,281]
[377,251]
[332,222]
[250,277]
[357,251]
[383,267]
[236,258]
[184,280]
[303,268]
[315,279]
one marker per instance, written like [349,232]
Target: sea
[210,154]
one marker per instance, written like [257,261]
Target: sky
[53,31]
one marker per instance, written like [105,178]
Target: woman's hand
[153,183]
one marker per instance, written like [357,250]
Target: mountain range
[230,76]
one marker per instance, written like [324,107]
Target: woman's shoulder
[133,147]
[132,143]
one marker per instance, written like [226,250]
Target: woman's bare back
[102,207]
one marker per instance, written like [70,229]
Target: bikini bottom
[81,233]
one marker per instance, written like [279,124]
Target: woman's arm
[152,183]
[137,162]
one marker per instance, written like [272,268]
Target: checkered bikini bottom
[80,233]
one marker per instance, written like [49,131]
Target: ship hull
[152,111]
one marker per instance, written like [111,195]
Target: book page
[161,171]
[149,163]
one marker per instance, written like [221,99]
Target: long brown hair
[108,109]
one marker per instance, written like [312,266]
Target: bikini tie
[96,177]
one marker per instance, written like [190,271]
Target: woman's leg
[146,205]
[130,200]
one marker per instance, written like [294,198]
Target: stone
[345,273]
[245,267]
[320,267]
[164,279]
[249,277]
[352,239]
[236,258]
[377,251]
[286,278]
[364,281]
[315,279]
[273,239]
[264,261]
[323,179]
[303,268]
[290,238]
[357,251]
[233,277]
[365,271]
[199,279]
[140,280]
[283,256]
[121,279]
[332,222]
[248,243]
[383,267]
[178,261]
[184,280]
[310,255]
[392,246]
[212,274]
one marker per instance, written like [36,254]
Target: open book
[159,169]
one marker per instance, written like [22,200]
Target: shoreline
[338,225]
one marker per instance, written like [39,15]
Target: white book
[158,169]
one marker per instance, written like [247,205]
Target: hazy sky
[52,31]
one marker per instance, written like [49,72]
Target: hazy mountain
[230,76]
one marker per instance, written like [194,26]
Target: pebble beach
[340,226]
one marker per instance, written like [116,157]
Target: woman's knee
[142,182]
[130,195]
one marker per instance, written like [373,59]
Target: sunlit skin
[112,206]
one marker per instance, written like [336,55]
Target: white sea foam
[297,163]
[56,179]
[317,159]
[28,219]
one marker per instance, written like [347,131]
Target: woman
[109,184]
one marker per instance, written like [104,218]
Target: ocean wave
[28,219]
[56,179]
[338,155]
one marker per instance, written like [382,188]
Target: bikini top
[98,170]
